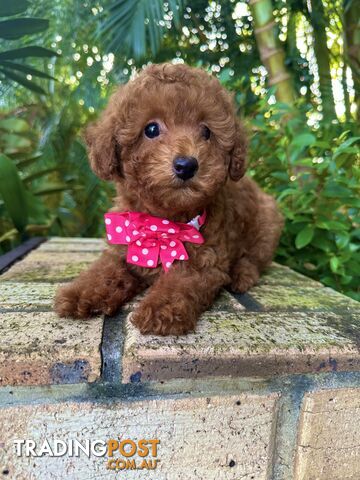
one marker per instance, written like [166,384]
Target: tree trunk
[291,47]
[346,93]
[318,22]
[271,52]
[352,45]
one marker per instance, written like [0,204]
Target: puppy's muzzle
[185,167]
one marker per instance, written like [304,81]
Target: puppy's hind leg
[244,275]
[262,239]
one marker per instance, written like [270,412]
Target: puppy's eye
[152,130]
[205,132]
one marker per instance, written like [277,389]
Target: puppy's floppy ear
[237,165]
[104,151]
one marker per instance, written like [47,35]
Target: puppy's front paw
[69,302]
[163,318]
[77,301]
[89,295]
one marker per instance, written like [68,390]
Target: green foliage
[13,193]
[132,25]
[11,66]
[83,203]
[23,186]
[316,179]
[46,186]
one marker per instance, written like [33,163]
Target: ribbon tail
[136,256]
[190,234]
[115,228]
[170,254]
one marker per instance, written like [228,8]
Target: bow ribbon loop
[151,238]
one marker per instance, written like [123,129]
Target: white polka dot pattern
[151,239]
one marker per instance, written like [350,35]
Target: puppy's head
[170,137]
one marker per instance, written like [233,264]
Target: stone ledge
[23,296]
[38,348]
[286,324]
[249,344]
[291,325]
[227,437]
[39,266]
[302,296]
[58,244]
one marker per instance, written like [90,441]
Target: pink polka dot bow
[150,238]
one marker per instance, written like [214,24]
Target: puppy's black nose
[185,167]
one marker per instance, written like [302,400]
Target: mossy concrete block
[40,348]
[278,274]
[222,437]
[27,296]
[291,325]
[225,303]
[83,240]
[286,324]
[40,266]
[57,244]
[301,297]
[245,344]
[328,440]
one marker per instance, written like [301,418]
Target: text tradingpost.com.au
[124,454]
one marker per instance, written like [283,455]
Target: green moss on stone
[295,297]
[280,275]
[45,272]
[24,296]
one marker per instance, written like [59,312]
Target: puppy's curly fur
[242,227]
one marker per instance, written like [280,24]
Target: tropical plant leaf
[131,23]
[12,191]
[39,174]
[19,27]
[9,235]
[22,81]
[50,188]
[38,213]
[12,7]
[303,140]
[13,142]
[26,52]
[14,125]
[176,6]
[345,145]
[334,264]
[28,161]
[138,41]
[304,237]
[24,68]
[42,228]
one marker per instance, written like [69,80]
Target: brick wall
[268,387]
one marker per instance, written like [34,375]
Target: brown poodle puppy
[171,142]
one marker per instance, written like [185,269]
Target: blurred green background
[293,66]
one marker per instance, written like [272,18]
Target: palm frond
[12,8]
[134,27]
